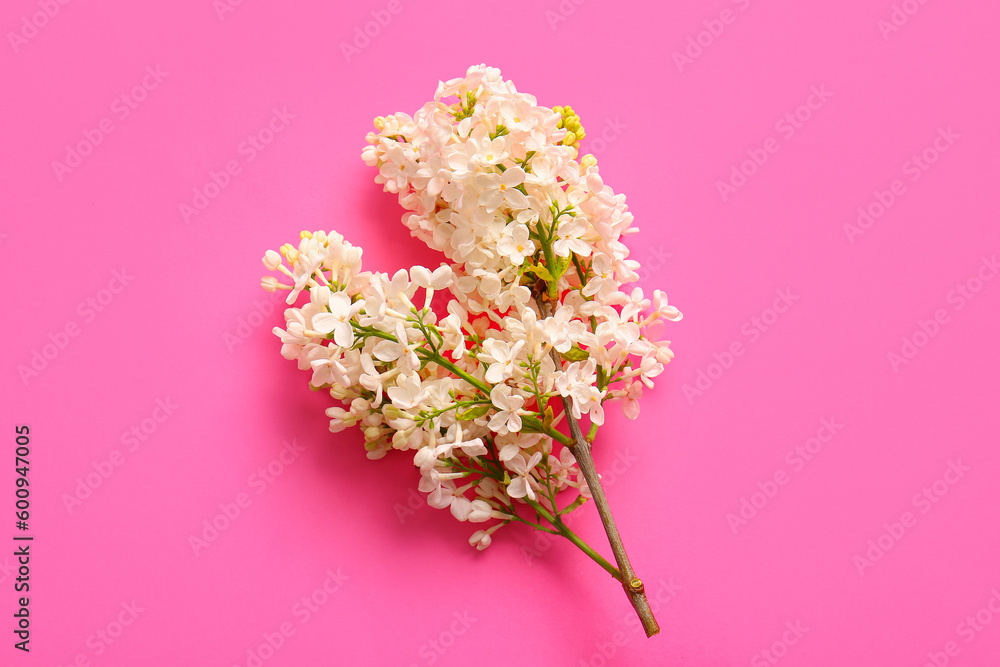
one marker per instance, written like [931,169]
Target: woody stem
[580,449]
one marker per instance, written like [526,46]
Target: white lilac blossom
[538,306]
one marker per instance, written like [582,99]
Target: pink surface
[815,476]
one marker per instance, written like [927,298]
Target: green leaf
[576,353]
[540,271]
[475,413]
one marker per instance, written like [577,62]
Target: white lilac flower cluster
[537,307]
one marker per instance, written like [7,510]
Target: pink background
[183,331]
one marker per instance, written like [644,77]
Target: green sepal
[573,505]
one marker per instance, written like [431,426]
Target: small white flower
[475,511]
[480,511]
[461,507]
[370,378]
[501,189]
[577,382]
[327,367]
[568,238]
[515,244]
[451,329]
[474,447]
[630,400]
[424,458]
[400,349]
[490,152]
[602,283]
[481,539]
[514,296]
[661,308]
[338,320]
[506,419]
[340,419]
[510,445]
[441,278]
[561,330]
[272,260]
[632,305]
[501,357]
[407,392]
[520,485]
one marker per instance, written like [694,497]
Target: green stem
[439,359]
[575,539]
[550,263]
